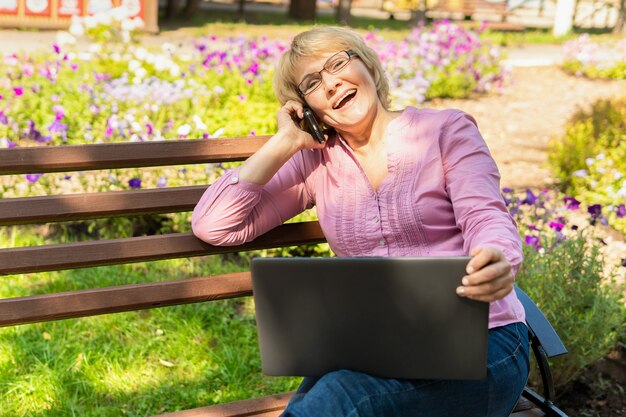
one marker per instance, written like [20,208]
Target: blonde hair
[314,43]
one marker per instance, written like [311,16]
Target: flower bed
[594,60]
[111,92]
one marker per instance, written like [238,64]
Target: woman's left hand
[489,277]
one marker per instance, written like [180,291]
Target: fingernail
[469,269]
[460,290]
[465,281]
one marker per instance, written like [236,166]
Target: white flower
[174,70]
[580,173]
[184,130]
[617,175]
[600,156]
[133,64]
[199,124]
[589,161]
[141,53]
[128,25]
[219,132]
[77,29]
[141,72]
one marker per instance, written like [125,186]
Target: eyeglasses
[333,65]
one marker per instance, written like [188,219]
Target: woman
[385,183]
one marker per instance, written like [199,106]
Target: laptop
[388,317]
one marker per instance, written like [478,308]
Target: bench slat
[26,160]
[56,208]
[270,406]
[147,248]
[71,304]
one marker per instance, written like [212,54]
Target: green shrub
[589,160]
[567,284]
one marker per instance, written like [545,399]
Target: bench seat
[273,405]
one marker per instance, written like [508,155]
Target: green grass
[131,364]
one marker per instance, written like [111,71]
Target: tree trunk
[418,15]
[241,10]
[191,8]
[171,10]
[343,12]
[302,9]
[620,25]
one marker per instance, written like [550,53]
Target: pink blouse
[441,197]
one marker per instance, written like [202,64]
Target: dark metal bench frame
[56,208]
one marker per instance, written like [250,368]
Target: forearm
[263,164]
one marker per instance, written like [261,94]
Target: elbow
[215,236]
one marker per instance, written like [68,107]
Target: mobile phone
[312,125]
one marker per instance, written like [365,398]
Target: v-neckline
[387,138]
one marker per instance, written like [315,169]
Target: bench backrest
[56,208]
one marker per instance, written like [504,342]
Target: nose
[330,82]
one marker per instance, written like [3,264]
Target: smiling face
[345,100]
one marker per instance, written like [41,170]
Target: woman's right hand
[290,129]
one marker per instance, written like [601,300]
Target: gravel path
[518,122]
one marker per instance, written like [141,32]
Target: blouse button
[382,242]
[234,180]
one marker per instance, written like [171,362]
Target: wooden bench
[56,208]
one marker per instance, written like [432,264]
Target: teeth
[338,102]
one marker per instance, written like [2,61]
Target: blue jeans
[352,394]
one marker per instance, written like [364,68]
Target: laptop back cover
[389,317]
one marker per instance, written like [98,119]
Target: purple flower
[621,211]
[532,241]
[595,210]
[34,134]
[18,91]
[162,182]
[58,127]
[33,178]
[3,118]
[556,226]
[506,190]
[134,183]
[624,262]
[571,203]
[530,198]
[56,48]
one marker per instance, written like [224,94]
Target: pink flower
[18,91]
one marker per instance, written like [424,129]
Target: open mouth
[345,99]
